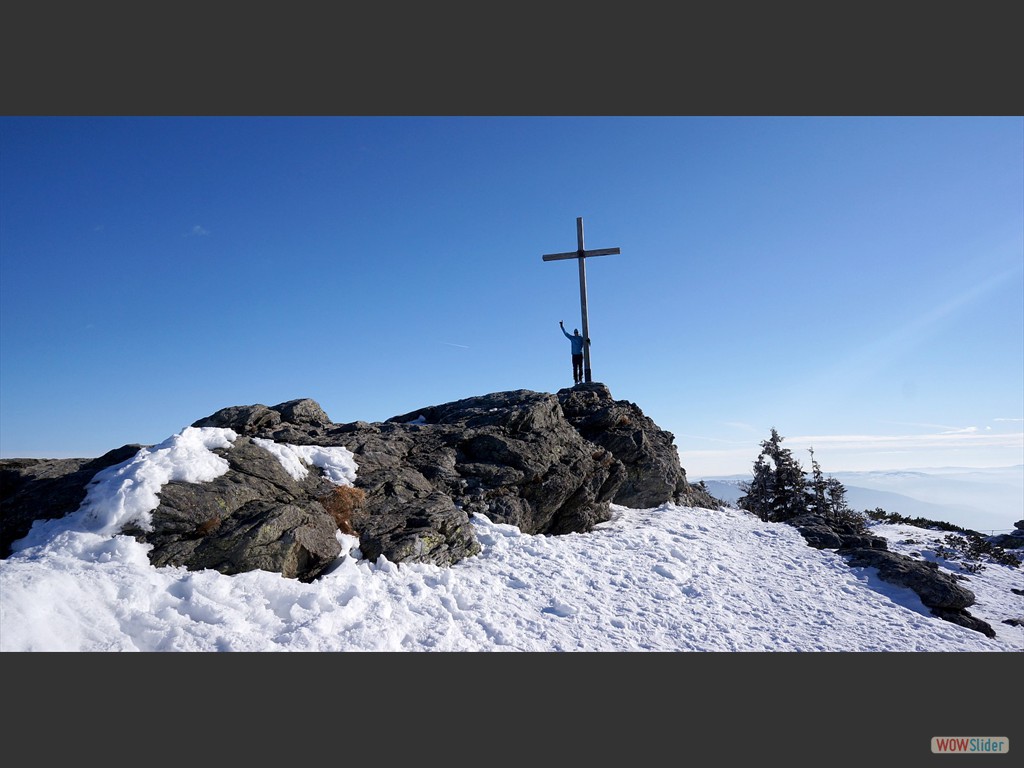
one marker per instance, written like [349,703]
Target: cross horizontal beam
[580,254]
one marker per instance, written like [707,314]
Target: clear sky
[667,579]
[856,283]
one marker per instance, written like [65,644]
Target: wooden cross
[582,255]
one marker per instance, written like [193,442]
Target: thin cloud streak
[908,442]
[943,427]
[721,440]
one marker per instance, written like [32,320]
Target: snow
[338,463]
[670,578]
[128,492]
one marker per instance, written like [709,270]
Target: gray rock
[548,464]
[514,457]
[300,422]
[511,456]
[424,529]
[938,591]
[823,533]
[649,454]
[936,588]
[1012,540]
[253,517]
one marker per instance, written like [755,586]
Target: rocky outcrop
[546,463]
[1012,540]
[254,516]
[647,452]
[43,489]
[512,456]
[939,591]
[824,533]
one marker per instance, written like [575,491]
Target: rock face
[547,463]
[648,453]
[510,455]
[255,516]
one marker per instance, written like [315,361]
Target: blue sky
[855,282]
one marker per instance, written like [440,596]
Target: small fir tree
[836,498]
[759,492]
[778,490]
[818,493]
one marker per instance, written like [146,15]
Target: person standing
[577,342]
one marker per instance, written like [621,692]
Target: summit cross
[581,255]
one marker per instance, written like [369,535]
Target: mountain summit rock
[546,463]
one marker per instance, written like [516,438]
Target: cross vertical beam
[583,300]
[581,255]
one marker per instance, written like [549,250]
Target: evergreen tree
[836,493]
[759,492]
[778,490]
[817,497]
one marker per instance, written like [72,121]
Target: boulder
[512,456]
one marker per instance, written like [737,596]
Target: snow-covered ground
[670,578]
[664,579]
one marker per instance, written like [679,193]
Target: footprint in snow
[559,608]
[663,570]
